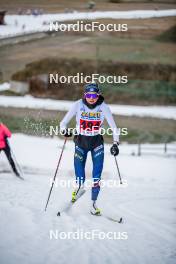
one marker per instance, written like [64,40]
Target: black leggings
[10,159]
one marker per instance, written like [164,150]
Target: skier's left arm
[108,115]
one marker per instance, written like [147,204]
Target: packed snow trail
[168,112]
[147,205]
[24,24]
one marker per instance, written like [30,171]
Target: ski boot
[77,193]
[94,209]
[73,196]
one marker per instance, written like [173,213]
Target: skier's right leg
[79,165]
[10,159]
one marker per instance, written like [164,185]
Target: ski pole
[118,170]
[55,173]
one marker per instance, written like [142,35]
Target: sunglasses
[92,95]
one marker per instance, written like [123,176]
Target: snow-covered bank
[4,87]
[147,205]
[23,24]
[168,112]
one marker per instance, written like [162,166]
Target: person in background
[4,146]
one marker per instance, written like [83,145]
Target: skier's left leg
[98,160]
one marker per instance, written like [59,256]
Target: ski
[20,177]
[8,171]
[113,219]
[70,204]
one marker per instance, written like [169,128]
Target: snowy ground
[168,112]
[147,205]
[23,24]
[4,87]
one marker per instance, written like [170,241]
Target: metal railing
[165,148]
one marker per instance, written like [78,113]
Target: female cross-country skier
[4,146]
[90,112]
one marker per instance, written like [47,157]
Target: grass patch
[37,123]
[141,91]
[168,36]
[132,50]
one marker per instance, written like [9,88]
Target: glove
[114,149]
[66,133]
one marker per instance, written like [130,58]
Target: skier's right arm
[68,117]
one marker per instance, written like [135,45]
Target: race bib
[89,125]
